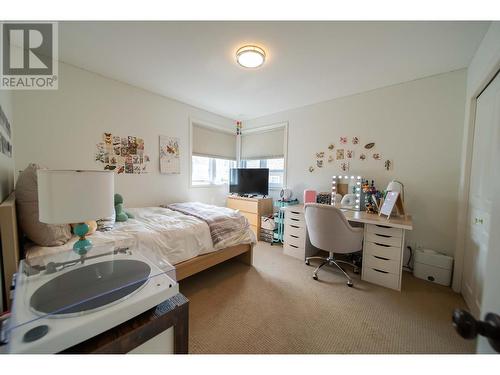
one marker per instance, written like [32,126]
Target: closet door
[481,194]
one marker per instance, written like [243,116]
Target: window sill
[207,185]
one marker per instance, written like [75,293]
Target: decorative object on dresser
[286,194]
[252,208]
[309,196]
[324,198]
[372,197]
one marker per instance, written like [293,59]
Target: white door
[481,277]
[491,289]
[483,186]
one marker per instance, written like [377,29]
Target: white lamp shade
[66,197]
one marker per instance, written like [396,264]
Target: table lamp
[68,197]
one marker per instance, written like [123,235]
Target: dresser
[383,243]
[252,208]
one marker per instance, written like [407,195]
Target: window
[210,171]
[276,170]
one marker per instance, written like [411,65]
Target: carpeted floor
[276,307]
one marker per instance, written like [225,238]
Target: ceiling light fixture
[250,56]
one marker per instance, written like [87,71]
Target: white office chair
[329,230]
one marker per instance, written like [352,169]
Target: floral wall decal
[345,156]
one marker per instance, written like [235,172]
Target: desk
[383,243]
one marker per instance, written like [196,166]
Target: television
[249,181]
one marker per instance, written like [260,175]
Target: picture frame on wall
[169,155]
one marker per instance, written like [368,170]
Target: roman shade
[263,145]
[213,143]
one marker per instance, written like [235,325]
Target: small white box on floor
[433,266]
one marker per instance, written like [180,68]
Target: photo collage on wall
[5,135]
[122,154]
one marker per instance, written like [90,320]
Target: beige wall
[60,129]
[417,124]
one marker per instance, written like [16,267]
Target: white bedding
[161,232]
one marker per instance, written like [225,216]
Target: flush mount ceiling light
[250,56]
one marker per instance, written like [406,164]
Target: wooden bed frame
[11,250]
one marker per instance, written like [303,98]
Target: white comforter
[161,232]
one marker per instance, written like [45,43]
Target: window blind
[263,145]
[214,143]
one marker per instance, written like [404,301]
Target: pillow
[27,212]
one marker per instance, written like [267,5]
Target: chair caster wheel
[350,284]
[315,277]
[307,263]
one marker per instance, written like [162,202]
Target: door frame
[465,167]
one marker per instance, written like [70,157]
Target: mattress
[162,233]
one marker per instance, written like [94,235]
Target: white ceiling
[307,62]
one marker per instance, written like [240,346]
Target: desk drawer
[294,251]
[242,205]
[383,251]
[295,230]
[383,239]
[380,277]
[381,263]
[294,240]
[295,223]
[297,215]
[384,230]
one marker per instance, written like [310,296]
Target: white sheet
[159,231]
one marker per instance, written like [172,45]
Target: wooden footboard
[192,266]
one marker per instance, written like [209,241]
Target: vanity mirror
[347,192]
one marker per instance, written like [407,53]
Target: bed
[184,240]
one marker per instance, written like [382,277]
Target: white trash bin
[433,266]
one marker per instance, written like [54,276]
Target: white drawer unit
[383,255]
[294,240]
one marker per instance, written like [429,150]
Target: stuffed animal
[121,215]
